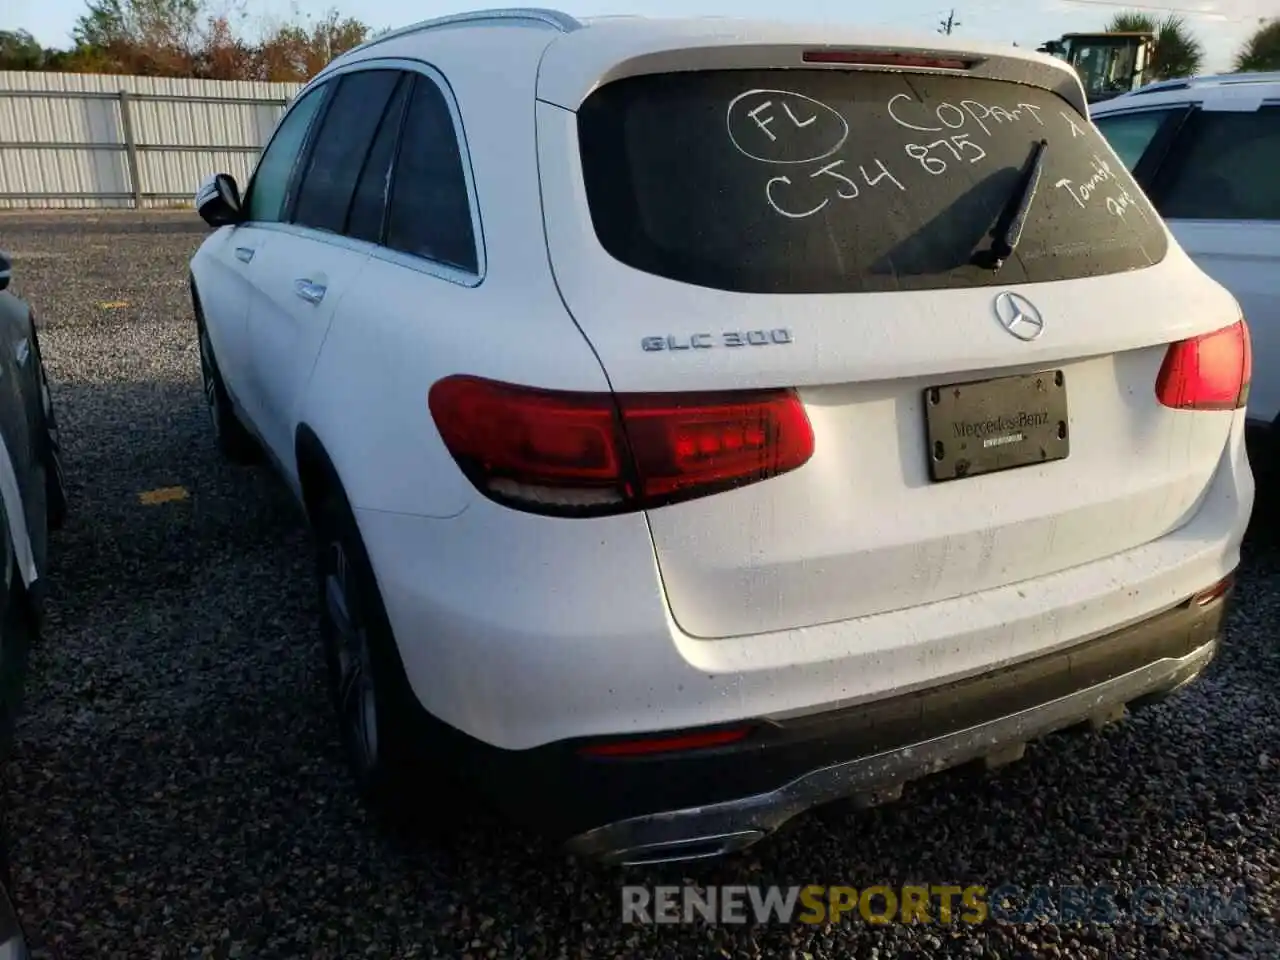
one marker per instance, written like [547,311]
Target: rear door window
[429,213]
[341,145]
[820,181]
[1223,167]
[369,205]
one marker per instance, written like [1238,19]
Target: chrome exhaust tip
[679,851]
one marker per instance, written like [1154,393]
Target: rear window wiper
[1013,217]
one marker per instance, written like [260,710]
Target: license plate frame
[989,426]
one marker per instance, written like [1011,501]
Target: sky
[1221,24]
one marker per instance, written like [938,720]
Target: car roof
[1224,90]
[581,53]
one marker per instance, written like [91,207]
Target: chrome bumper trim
[700,832]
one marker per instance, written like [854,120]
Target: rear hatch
[790,223]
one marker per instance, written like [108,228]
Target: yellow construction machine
[1109,64]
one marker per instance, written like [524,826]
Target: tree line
[188,38]
[1179,52]
[196,38]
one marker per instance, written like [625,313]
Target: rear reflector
[887,58]
[587,454]
[640,748]
[1216,592]
[1209,372]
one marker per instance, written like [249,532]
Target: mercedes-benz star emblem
[1019,316]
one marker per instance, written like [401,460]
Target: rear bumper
[563,632]
[706,802]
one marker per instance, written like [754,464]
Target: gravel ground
[177,791]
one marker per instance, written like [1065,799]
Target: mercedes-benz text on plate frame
[1019,316]
[729,338]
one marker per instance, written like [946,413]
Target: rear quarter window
[820,181]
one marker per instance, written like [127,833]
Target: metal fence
[74,140]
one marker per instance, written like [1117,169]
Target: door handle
[244,254]
[308,291]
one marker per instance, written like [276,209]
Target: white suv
[701,421]
[1207,151]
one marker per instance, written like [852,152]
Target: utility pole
[949,24]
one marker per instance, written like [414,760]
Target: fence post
[130,149]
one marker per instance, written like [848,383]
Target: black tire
[19,634]
[55,481]
[14,941]
[373,704]
[234,440]
[1264,462]
[6,864]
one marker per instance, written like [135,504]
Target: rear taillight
[1209,372]
[1216,592]
[586,454]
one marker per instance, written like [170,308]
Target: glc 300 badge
[730,338]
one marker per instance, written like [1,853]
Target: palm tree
[1178,52]
[1262,50]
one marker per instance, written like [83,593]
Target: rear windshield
[821,181]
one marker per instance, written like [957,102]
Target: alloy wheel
[356,694]
[209,380]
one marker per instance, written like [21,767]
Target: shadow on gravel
[1264,524]
[123,440]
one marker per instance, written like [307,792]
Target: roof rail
[1210,80]
[552,18]
[1271,76]
[1161,87]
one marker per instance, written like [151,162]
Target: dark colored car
[32,503]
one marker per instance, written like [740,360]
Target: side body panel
[409,323]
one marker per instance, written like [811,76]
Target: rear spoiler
[577,63]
